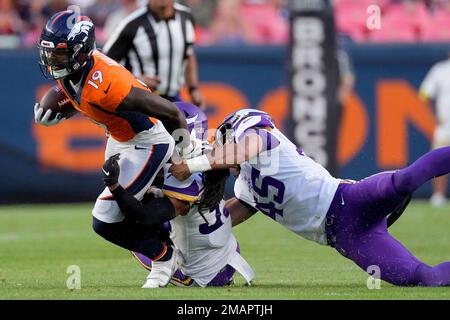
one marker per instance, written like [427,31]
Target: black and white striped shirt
[147,45]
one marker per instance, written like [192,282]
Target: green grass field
[38,243]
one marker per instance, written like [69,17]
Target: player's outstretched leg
[377,248]
[433,276]
[431,165]
[360,228]
[130,236]
[370,200]
[377,196]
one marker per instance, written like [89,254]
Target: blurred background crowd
[235,22]
[217,21]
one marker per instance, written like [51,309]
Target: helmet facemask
[58,63]
[224,134]
[66,44]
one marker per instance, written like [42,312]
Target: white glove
[201,147]
[195,149]
[43,119]
[186,152]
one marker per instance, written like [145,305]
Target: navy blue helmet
[66,44]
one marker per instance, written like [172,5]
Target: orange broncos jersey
[102,90]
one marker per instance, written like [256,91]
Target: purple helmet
[195,118]
[237,122]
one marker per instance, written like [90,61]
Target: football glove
[43,118]
[111,170]
[195,149]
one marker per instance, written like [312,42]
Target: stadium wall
[384,124]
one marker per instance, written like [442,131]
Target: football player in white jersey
[278,179]
[202,234]
[436,87]
[200,230]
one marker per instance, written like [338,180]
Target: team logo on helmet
[80,27]
[191,120]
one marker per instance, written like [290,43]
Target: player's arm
[239,211]
[191,70]
[423,96]
[233,154]
[429,86]
[155,211]
[191,76]
[152,105]
[347,75]
[225,157]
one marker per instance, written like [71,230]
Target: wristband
[198,164]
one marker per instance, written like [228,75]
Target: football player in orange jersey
[138,125]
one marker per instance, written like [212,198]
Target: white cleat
[162,271]
[438,200]
[150,284]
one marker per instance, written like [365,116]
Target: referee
[155,43]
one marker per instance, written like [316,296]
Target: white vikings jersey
[283,183]
[206,247]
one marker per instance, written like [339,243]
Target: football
[56,100]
